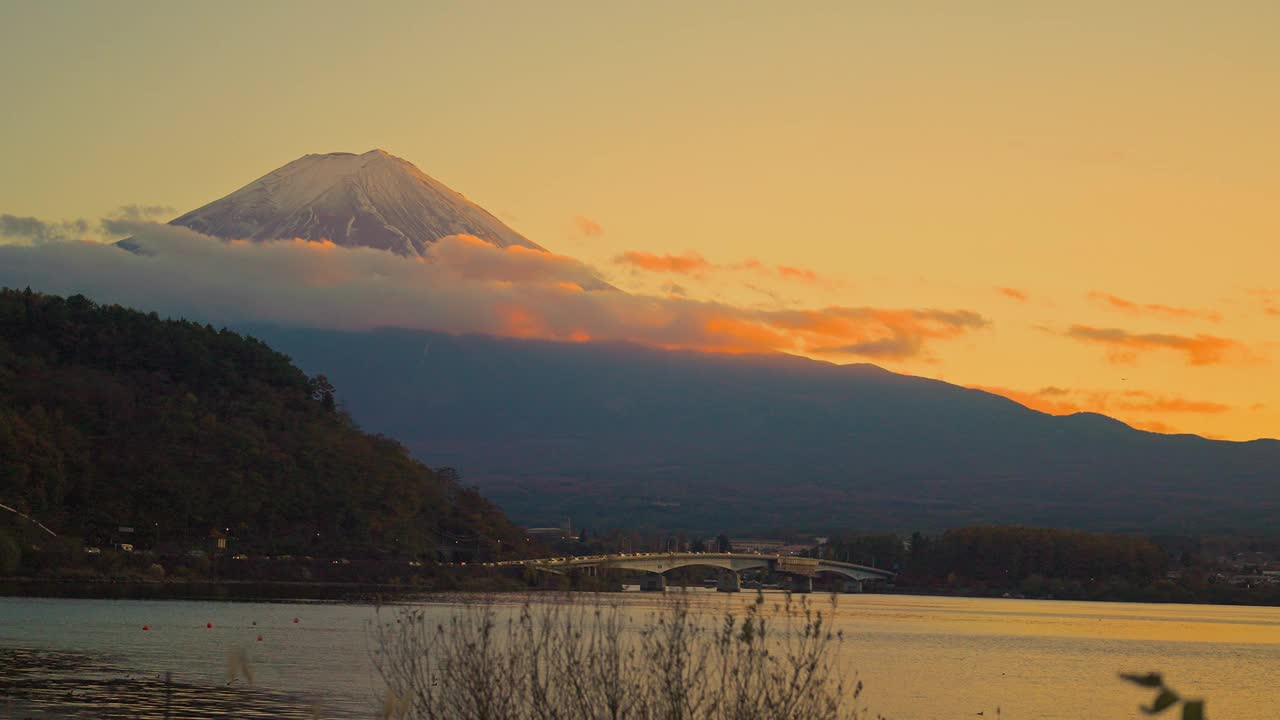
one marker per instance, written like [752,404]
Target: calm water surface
[920,658]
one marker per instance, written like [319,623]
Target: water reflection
[921,658]
[41,683]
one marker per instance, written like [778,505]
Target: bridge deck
[661,562]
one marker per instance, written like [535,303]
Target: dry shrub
[594,661]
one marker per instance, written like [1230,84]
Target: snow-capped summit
[372,200]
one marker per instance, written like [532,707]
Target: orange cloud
[1013,293]
[1128,306]
[1124,404]
[463,285]
[800,274]
[693,263]
[1124,346]
[1270,301]
[686,264]
[1064,401]
[1043,401]
[877,333]
[516,320]
[588,227]
[1147,402]
[737,334]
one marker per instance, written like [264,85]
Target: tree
[322,390]
[10,555]
[111,417]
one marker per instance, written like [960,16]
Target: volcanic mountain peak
[372,200]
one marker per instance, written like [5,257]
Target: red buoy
[295,620]
[259,638]
[208,625]
[146,627]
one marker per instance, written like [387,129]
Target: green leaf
[1162,703]
[1193,710]
[1151,680]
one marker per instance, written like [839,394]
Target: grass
[591,661]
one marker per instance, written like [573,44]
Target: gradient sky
[1099,180]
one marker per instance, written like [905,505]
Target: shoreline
[349,593]
[197,590]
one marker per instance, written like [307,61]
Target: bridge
[801,569]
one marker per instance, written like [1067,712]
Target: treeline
[1003,556]
[1045,563]
[1009,556]
[113,418]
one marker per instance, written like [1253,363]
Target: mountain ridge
[625,435]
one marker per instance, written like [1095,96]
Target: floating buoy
[295,621]
[208,625]
[259,638]
[146,627]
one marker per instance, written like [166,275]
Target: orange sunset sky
[1092,188]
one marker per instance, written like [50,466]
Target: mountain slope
[629,436]
[109,417]
[372,200]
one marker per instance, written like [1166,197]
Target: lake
[920,658]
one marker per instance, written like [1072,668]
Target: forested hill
[110,417]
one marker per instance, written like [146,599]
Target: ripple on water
[40,683]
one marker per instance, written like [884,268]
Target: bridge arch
[663,565]
[850,573]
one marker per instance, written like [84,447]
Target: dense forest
[111,418]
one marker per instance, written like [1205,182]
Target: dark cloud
[903,332]
[142,212]
[677,289]
[38,231]
[892,347]
[127,218]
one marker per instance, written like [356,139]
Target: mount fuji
[374,200]
[619,435]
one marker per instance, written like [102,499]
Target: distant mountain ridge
[374,200]
[623,435]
